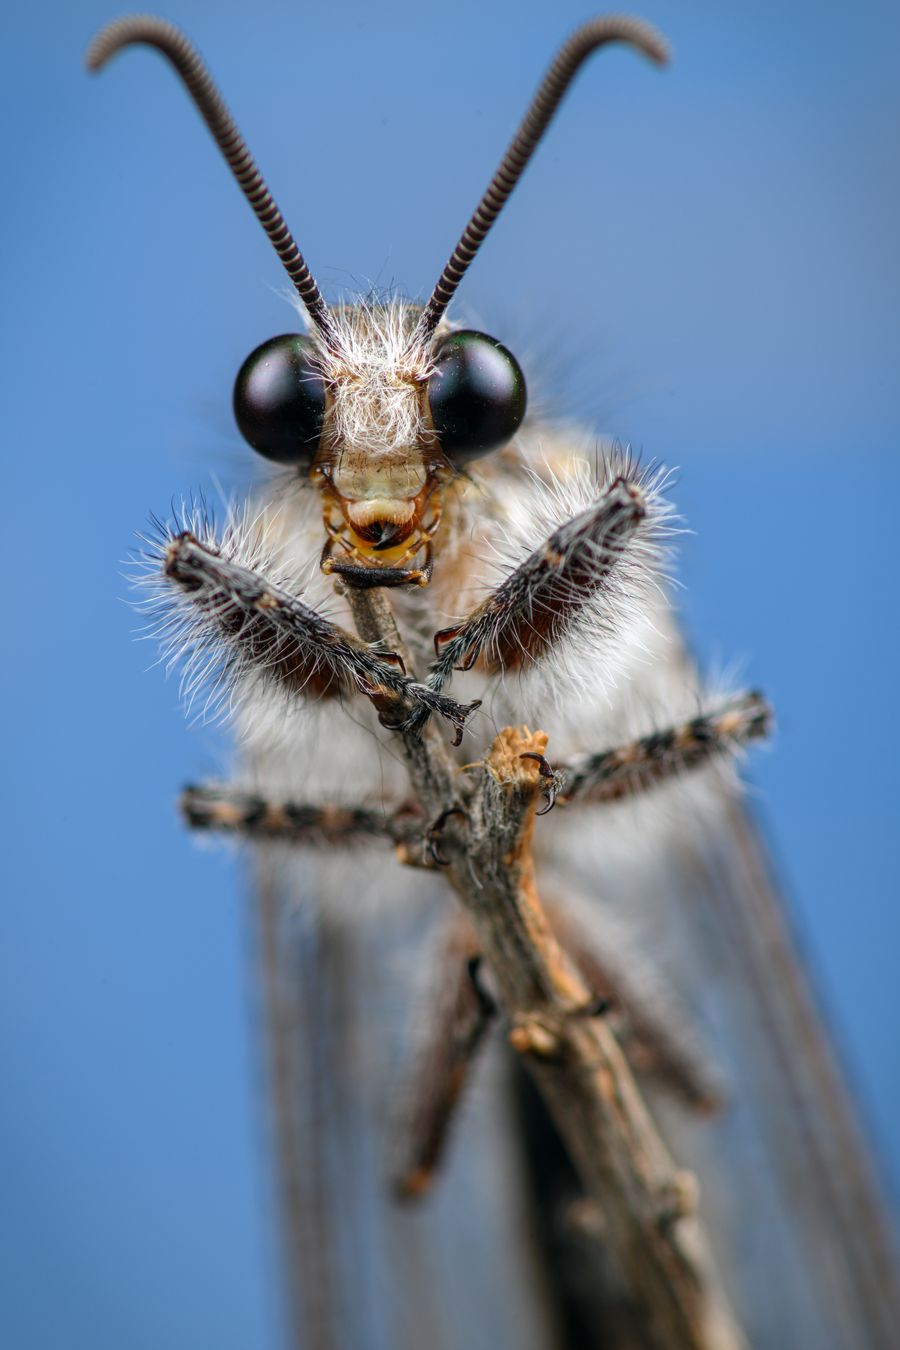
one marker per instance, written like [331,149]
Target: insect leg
[642,764]
[523,617]
[458,1019]
[223,809]
[258,626]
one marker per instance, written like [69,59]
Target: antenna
[568,61]
[172,43]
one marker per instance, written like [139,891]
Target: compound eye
[476,394]
[279,400]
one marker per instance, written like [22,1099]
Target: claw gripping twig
[287,641]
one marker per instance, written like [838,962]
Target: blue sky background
[721,287]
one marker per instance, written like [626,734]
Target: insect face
[379,467]
[381,422]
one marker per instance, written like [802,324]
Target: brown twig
[654,1237]
[653,1031]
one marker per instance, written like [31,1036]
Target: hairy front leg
[577,574]
[230,620]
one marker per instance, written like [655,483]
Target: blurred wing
[794,1206]
[364,1272]
[679,883]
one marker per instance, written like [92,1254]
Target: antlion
[424,534]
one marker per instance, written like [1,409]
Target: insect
[431,571]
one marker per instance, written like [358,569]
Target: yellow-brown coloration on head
[379,469]
[382,533]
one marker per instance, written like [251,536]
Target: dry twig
[650,1226]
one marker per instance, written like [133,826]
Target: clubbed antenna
[585,40]
[173,44]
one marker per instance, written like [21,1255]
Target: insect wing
[788,1192]
[362,1270]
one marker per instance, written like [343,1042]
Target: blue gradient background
[721,287]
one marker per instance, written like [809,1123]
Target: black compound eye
[476,395]
[279,399]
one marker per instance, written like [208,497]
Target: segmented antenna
[571,55]
[173,44]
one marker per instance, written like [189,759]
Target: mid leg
[642,764]
[458,1018]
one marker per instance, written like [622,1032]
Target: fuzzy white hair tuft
[213,670]
[374,372]
[615,627]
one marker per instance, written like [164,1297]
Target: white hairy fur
[212,670]
[619,623]
[372,373]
